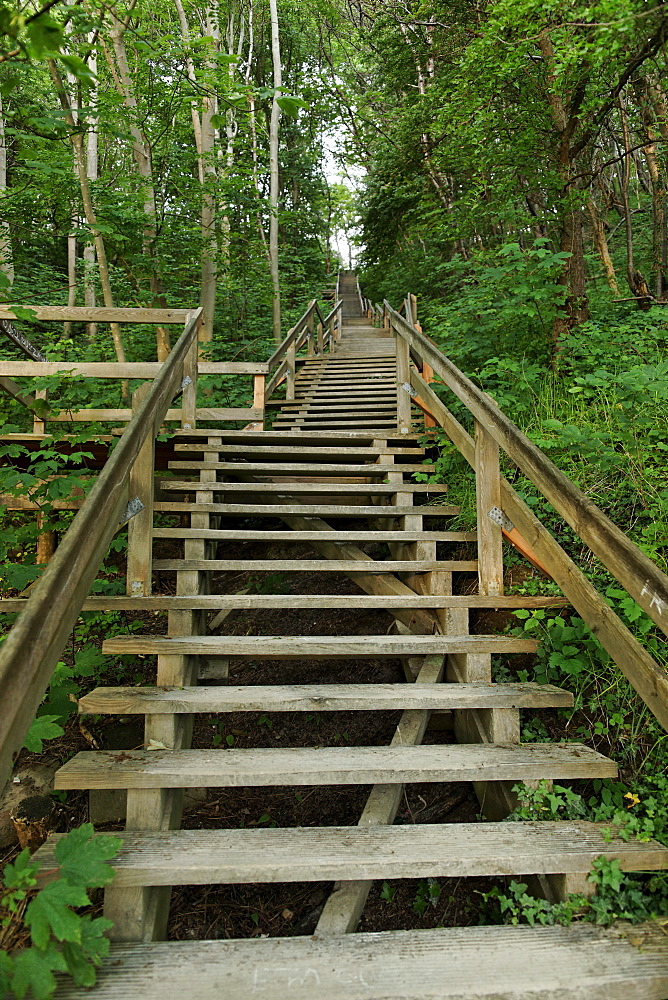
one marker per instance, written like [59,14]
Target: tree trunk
[141,152]
[89,209]
[601,244]
[6,256]
[274,191]
[636,281]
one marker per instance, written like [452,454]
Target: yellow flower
[633,800]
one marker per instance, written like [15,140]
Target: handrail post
[140,526]
[488,496]
[189,398]
[428,376]
[321,342]
[259,384]
[290,371]
[38,425]
[403,380]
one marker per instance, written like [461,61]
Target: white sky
[335,172]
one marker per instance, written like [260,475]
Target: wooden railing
[312,330]
[35,643]
[634,571]
[187,414]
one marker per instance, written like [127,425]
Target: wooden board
[320,698]
[316,468]
[126,369]
[103,314]
[316,565]
[581,962]
[304,451]
[367,488]
[309,510]
[331,766]
[456,850]
[252,534]
[317,647]
[216,602]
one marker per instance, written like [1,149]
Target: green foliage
[61,939]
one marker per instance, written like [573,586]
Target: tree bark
[89,209]
[141,151]
[274,180]
[601,244]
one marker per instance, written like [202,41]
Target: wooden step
[224,768]
[581,962]
[308,510]
[216,602]
[286,535]
[322,565]
[280,437]
[183,485]
[305,451]
[330,854]
[316,468]
[319,698]
[316,646]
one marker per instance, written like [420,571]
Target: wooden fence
[35,643]
[493,432]
[312,331]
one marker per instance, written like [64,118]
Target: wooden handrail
[299,327]
[648,678]
[102,314]
[33,646]
[122,370]
[635,571]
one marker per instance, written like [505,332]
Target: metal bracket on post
[504,522]
[407,387]
[185,382]
[133,507]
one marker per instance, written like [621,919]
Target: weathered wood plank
[581,962]
[229,534]
[322,510]
[455,850]
[355,488]
[317,565]
[104,314]
[331,766]
[286,647]
[314,601]
[320,698]
[115,369]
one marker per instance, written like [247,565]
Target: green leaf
[78,68]
[33,970]
[49,913]
[82,856]
[291,105]
[44,727]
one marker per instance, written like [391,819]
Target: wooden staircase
[335,473]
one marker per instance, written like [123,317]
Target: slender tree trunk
[274,180]
[636,281]
[601,244]
[141,152]
[89,209]
[92,170]
[6,256]
[573,277]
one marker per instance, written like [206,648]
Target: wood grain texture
[214,602]
[318,565]
[320,698]
[458,850]
[331,766]
[324,510]
[325,646]
[581,962]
